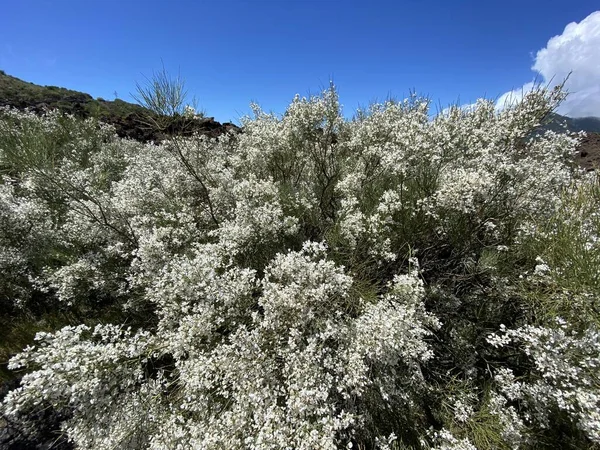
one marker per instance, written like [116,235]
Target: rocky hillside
[128,118]
[589,151]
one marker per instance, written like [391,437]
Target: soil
[588,154]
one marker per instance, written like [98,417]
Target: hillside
[127,118]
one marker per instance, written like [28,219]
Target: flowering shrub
[314,282]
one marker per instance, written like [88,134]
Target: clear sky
[234,52]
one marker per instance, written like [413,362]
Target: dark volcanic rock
[138,129]
[589,151]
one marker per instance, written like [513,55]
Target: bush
[388,281]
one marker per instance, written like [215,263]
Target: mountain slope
[127,118]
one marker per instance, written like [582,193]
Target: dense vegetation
[388,281]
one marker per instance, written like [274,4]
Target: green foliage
[166,99]
[566,252]
[162,95]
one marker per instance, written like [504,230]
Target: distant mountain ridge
[127,118]
[587,124]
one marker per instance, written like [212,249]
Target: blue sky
[234,52]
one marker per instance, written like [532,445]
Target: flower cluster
[313,282]
[565,374]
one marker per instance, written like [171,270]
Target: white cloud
[575,51]
[514,96]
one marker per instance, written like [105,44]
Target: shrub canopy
[390,281]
